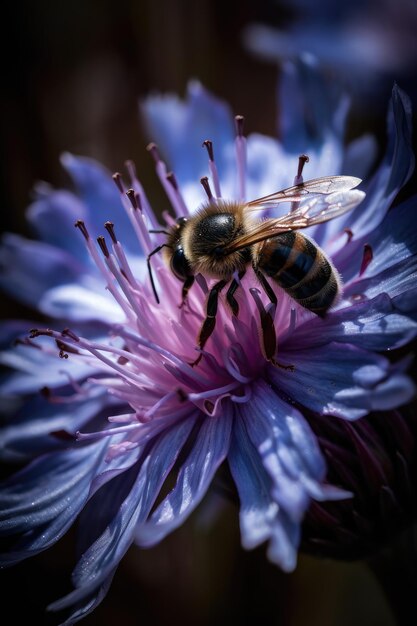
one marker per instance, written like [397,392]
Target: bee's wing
[317,186]
[313,210]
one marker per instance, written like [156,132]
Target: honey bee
[222,240]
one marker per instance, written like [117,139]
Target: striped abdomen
[301,268]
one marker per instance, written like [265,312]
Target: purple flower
[123,411]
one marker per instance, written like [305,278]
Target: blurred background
[73,75]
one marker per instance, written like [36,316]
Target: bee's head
[178,261]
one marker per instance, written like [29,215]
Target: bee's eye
[179,264]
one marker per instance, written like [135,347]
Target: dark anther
[349,234]
[152,148]
[40,332]
[64,348]
[117,177]
[302,160]
[171,179]
[67,332]
[209,147]
[45,392]
[109,226]
[132,197]
[102,243]
[206,186]
[239,121]
[366,258]
[182,395]
[80,224]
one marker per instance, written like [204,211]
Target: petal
[41,501]
[179,128]
[342,380]
[30,268]
[394,171]
[295,466]
[36,428]
[392,242]
[374,324]
[261,519]
[82,303]
[37,369]
[113,514]
[101,198]
[53,215]
[194,477]
[312,110]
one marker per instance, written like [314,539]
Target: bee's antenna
[148,261]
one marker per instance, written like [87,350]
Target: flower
[366,42]
[124,414]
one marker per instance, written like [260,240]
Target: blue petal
[42,500]
[342,380]
[36,428]
[261,519]
[179,128]
[37,369]
[194,477]
[53,216]
[30,268]
[374,324]
[392,243]
[394,171]
[101,198]
[120,518]
[295,466]
[311,108]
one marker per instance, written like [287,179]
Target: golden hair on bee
[222,239]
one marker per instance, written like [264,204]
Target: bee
[223,239]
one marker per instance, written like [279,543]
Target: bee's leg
[185,289]
[268,333]
[266,286]
[233,303]
[210,321]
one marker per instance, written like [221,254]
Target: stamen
[133,197]
[173,193]
[117,177]
[367,257]
[298,179]
[171,179]
[141,199]
[67,332]
[209,146]
[302,160]
[121,257]
[81,225]
[349,234]
[239,123]
[213,167]
[103,246]
[206,186]
[240,143]
[152,148]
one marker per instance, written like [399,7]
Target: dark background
[73,74]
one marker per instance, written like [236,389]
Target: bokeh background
[74,74]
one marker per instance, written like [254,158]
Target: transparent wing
[314,210]
[317,186]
